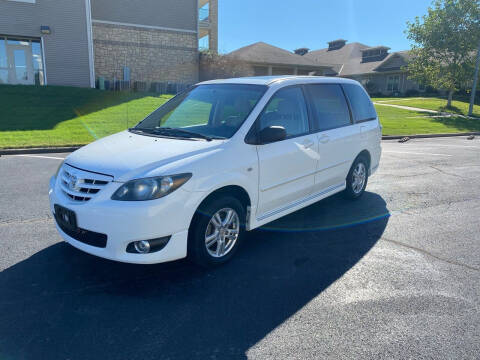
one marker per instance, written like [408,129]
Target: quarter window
[286,108]
[361,104]
[329,106]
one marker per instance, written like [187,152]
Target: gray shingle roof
[263,53]
[348,59]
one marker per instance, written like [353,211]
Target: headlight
[58,170]
[150,188]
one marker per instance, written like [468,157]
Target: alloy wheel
[359,177]
[222,232]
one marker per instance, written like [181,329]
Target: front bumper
[124,222]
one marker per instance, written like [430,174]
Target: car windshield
[206,111]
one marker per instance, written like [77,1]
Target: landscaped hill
[52,115]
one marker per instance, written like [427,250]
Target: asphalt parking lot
[393,275]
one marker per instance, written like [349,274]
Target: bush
[412,92]
[217,66]
[431,90]
[371,87]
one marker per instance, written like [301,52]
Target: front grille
[85,236]
[80,185]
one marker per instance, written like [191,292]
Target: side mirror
[271,134]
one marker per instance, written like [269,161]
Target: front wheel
[216,231]
[357,178]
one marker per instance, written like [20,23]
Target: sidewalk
[439,113]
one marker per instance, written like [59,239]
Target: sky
[291,24]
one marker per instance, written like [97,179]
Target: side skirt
[296,205]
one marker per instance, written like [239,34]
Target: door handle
[324,139]
[307,144]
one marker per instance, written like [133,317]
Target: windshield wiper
[149,132]
[191,134]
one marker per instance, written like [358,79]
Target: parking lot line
[413,153]
[454,146]
[42,157]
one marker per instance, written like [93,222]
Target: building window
[306,72]
[393,83]
[282,71]
[204,12]
[260,70]
[21,61]
[203,43]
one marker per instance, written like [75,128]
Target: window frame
[31,40]
[252,135]
[352,114]
[316,122]
[398,83]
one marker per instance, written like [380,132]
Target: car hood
[127,155]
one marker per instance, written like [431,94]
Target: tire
[355,186]
[204,225]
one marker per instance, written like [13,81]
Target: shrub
[217,66]
[371,87]
[411,93]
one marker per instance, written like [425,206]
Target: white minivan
[222,158]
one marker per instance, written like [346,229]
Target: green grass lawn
[54,116]
[405,122]
[434,103]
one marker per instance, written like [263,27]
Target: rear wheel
[357,178]
[216,231]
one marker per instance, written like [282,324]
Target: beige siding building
[78,42]
[265,59]
[59,54]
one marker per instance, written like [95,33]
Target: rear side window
[362,107]
[329,106]
[287,108]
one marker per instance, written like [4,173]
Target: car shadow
[64,304]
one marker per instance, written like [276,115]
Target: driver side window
[287,108]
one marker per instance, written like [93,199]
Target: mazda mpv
[222,158]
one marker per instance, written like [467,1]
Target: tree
[445,41]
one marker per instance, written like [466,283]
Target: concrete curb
[49,150]
[45,150]
[424,136]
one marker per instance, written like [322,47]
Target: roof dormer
[336,44]
[301,51]
[376,53]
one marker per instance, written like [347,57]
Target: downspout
[91,60]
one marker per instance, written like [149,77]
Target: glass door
[4,66]
[20,66]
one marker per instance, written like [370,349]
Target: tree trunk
[449,101]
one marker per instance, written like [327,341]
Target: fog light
[142,247]
[147,246]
